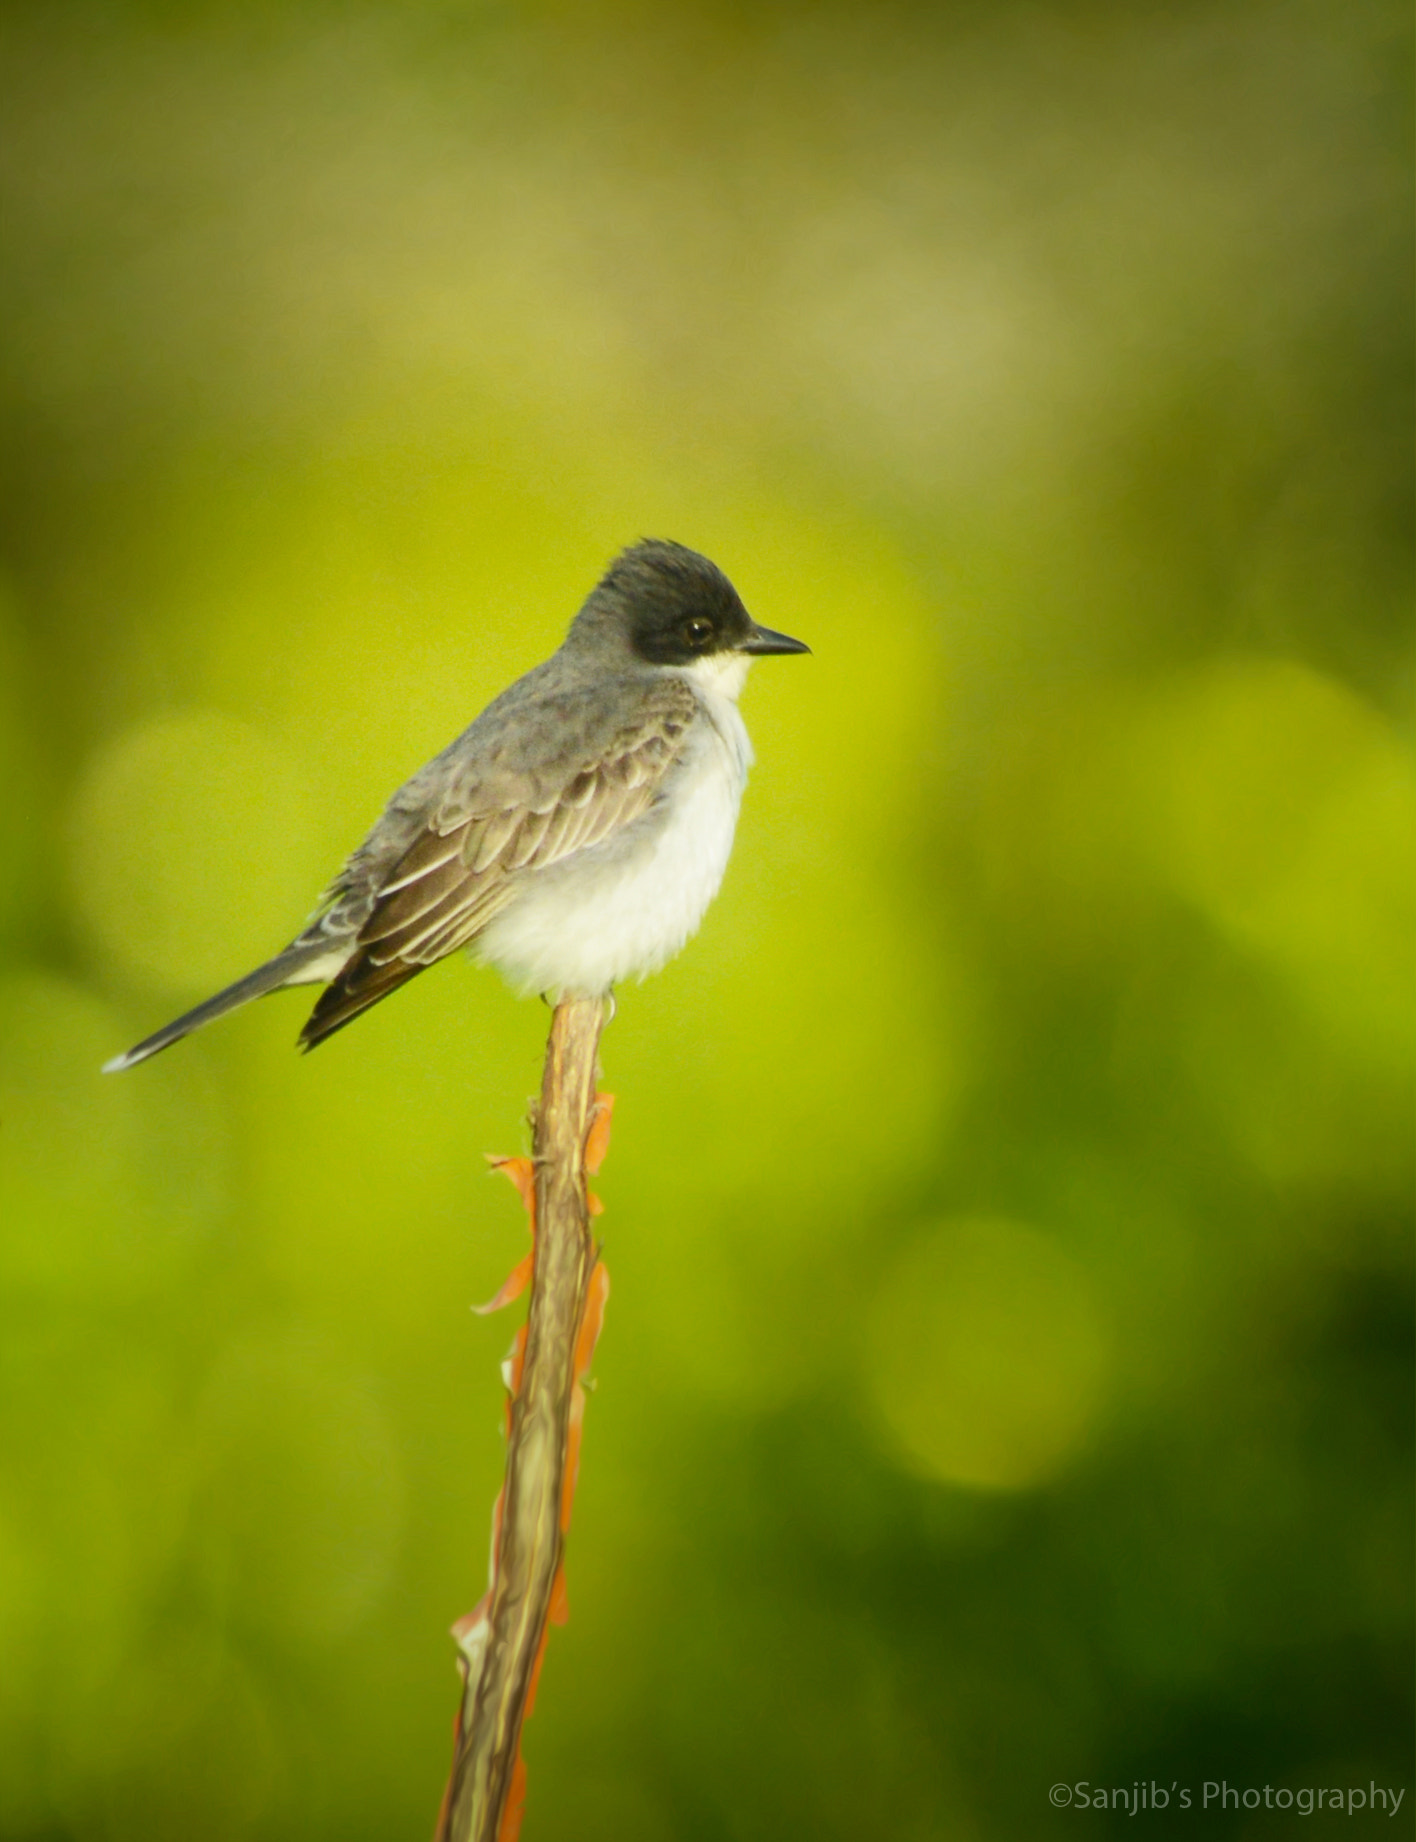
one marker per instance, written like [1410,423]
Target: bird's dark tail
[295,966]
[361,983]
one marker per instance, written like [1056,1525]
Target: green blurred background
[1007,1375]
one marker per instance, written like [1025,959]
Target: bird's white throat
[723,673]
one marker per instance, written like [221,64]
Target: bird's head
[673,607]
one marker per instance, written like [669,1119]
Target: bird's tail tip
[293,966]
[131,1057]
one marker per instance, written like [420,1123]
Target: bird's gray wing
[468,829]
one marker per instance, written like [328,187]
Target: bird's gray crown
[667,603]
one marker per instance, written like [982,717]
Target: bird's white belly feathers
[622,909]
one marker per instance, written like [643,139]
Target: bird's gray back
[557,722]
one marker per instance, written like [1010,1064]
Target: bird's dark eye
[698,631]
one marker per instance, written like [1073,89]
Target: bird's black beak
[763,639]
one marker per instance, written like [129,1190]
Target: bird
[572,837]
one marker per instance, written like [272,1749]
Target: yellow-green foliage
[1006,1370]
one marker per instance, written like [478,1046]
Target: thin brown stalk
[501,1652]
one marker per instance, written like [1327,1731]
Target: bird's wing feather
[486,823]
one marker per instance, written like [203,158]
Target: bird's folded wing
[482,830]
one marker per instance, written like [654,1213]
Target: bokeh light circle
[1284,807]
[191,849]
[986,1354]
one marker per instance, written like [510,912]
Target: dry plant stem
[530,1543]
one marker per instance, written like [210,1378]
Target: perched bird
[571,837]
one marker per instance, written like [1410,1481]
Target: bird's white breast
[623,908]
